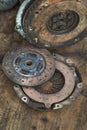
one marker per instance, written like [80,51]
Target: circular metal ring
[68,92]
[20,14]
[54,25]
[28,67]
[49,99]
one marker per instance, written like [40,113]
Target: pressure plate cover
[51,24]
[60,90]
[28,66]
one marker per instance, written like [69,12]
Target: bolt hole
[24,98]
[16,86]
[58,106]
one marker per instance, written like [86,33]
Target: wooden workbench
[14,114]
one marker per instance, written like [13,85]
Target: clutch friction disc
[52,24]
[60,90]
[28,67]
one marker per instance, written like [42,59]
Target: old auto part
[28,66]
[52,24]
[60,90]
[20,15]
[7,4]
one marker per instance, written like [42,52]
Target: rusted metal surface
[28,66]
[71,86]
[16,115]
[41,20]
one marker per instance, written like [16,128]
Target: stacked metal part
[44,80]
[52,24]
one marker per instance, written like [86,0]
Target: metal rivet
[72,98]
[36,39]
[80,85]
[69,61]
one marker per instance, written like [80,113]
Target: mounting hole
[16,86]
[72,97]
[29,63]
[24,99]
[57,106]
[80,85]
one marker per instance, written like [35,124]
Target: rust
[58,96]
[70,89]
[40,13]
[28,66]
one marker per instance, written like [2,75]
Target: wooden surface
[14,114]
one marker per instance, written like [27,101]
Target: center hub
[29,64]
[63,22]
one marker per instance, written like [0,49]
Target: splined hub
[28,66]
[52,24]
[60,90]
[63,22]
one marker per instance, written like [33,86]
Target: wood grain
[14,114]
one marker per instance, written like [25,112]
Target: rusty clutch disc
[60,90]
[28,66]
[51,23]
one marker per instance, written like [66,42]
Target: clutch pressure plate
[62,88]
[51,24]
[28,66]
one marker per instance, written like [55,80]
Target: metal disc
[54,24]
[28,67]
[60,90]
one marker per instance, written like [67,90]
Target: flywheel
[52,24]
